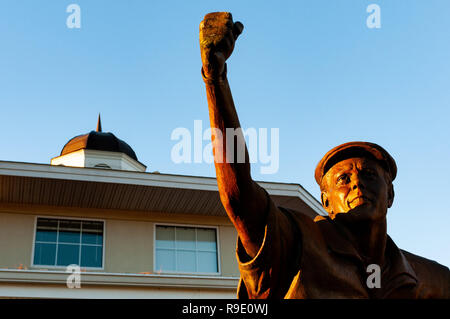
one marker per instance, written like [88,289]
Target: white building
[134,234]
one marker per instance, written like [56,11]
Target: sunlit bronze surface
[284,253]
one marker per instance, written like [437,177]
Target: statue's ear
[325,201]
[391,195]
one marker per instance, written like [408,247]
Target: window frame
[171,272]
[81,219]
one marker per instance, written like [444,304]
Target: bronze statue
[286,254]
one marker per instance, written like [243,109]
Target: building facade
[133,234]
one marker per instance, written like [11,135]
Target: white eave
[103,188]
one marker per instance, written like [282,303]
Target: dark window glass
[92,233]
[91,256]
[68,254]
[46,230]
[44,254]
[69,231]
[62,242]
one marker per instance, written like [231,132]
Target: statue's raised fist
[218,34]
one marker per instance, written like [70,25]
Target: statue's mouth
[357,201]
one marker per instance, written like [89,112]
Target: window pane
[69,231]
[186,261]
[185,238]
[206,239]
[44,254]
[165,260]
[43,235]
[207,262]
[90,238]
[68,254]
[165,237]
[46,229]
[92,233]
[47,222]
[91,256]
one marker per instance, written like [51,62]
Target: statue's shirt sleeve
[270,272]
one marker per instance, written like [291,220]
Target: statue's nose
[356,182]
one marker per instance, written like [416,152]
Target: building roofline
[96,152]
[91,174]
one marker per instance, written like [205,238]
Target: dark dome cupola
[98,149]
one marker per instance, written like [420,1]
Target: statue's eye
[369,173]
[343,178]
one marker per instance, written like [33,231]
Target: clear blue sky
[310,68]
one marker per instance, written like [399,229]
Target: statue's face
[357,186]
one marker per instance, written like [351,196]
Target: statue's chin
[357,212]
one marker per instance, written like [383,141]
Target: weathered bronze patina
[286,254]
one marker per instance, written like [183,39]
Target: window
[61,242]
[186,249]
[102,166]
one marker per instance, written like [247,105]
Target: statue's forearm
[243,199]
[223,116]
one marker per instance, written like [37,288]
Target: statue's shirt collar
[396,274]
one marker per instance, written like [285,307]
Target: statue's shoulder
[300,216]
[307,222]
[434,278]
[421,264]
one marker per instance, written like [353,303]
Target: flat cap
[355,149]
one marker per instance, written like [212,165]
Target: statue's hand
[218,34]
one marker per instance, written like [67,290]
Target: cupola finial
[99,124]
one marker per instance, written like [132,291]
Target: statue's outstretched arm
[243,199]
